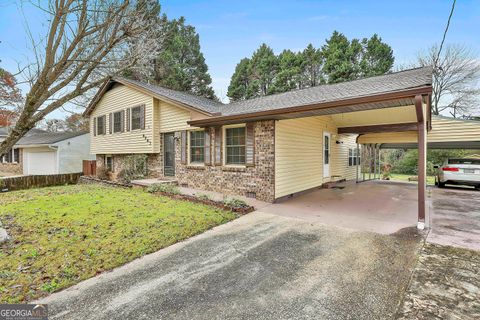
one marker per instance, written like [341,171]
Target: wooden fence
[28,182]
[89,168]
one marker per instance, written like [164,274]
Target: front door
[326,154]
[169,154]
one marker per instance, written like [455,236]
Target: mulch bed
[218,204]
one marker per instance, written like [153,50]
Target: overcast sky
[231,30]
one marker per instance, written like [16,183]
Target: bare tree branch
[87,42]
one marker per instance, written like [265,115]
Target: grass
[62,235]
[404,177]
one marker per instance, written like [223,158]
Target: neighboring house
[268,148]
[40,152]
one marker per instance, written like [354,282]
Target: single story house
[270,147]
[41,153]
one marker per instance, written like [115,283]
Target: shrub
[134,167]
[163,187]
[102,173]
[204,197]
[234,203]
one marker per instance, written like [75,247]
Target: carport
[444,133]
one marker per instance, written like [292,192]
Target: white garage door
[41,163]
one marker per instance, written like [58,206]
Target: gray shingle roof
[201,103]
[391,82]
[47,138]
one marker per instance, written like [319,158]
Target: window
[137,117]
[353,157]
[235,145]
[101,125]
[118,121]
[197,145]
[109,163]
[16,155]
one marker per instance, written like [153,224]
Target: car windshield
[464,161]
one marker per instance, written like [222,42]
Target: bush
[204,197]
[163,187]
[234,203]
[134,167]
[102,173]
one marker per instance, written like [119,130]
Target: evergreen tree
[239,84]
[312,62]
[289,72]
[377,57]
[341,58]
[262,68]
[180,64]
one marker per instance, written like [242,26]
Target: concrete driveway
[260,266]
[455,217]
[378,206]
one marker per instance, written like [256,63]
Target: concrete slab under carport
[378,206]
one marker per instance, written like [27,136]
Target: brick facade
[254,181]
[13,168]
[257,180]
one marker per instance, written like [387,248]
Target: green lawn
[62,235]
[404,177]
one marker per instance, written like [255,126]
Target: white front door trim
[327,145]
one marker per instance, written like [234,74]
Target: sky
[232,30]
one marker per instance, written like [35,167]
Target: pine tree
[181,64]
[312,62]
[239,84]
[262,68]
[289,72]
[377,57]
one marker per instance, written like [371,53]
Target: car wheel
[441,184]
[477,187]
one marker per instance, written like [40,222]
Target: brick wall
[13,168]
[258,179]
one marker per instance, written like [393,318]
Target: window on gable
[197,146]
[118,121]
[235,145]
[137,118]
[101,125]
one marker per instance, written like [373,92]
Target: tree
[289,72]
[455,80]
[338,60]
[86,42]
[181,64]
[312,63]
[262,68]
[9,92]
[349,60]
[377,57]
[77,122]
[239,84]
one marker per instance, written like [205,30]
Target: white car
[463,171]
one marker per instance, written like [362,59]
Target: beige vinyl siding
[173,118]
[339,168]
[444,129]
[120,98]
[389,137]
[299,154]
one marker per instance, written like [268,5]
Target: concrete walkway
[260,266]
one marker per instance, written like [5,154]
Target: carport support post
[422,162]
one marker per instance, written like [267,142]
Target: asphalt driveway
[260,266]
